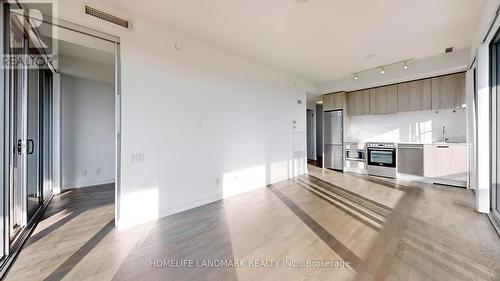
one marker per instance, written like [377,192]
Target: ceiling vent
[106,17]
[448,50]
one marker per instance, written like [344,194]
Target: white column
[471,129]
[483,130]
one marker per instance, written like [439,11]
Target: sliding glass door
[18,91]
[30,134]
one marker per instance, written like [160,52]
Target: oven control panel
[385,145]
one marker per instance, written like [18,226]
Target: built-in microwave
[355,154]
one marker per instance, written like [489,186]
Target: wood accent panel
[448,91]
[358,103]
[415,95]
[384,100]
[334,101]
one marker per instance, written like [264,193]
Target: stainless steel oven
[382,159]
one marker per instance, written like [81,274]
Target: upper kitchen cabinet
[384,100]
[358,103]
[334,101]
[448,91]
[415,95]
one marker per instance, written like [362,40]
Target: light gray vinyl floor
[324,226]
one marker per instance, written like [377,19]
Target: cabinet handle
[443,146]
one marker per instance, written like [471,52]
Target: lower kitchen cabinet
[447,163]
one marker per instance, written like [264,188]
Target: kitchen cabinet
[411,159]
[446,163]
[358,103]
[415,95]
[448,91]
[334,101]
[442,92]
[384,100]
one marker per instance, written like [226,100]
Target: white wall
[87,134]
[86,69]
[418,69]
[417,126]
[208,123]
[484,23]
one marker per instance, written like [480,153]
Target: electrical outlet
[137,157]
[217,181]
[84,172]
[98,171]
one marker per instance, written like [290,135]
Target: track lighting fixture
[382,68]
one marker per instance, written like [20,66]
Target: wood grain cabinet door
[358,103]
[384,100]
[415,95]
[327,102]
[334,101]
[448,91]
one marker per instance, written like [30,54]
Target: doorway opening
[62,129]
[319,135]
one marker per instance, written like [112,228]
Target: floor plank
[367,229]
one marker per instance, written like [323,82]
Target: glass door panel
[33,144]
[46,130]
[17,135]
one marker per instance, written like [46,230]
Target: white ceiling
[320,40]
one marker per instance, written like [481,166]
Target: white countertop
[416,143]
[434,143]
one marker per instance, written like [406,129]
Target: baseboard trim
[66,186]
[128,223]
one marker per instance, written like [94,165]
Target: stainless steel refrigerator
[334,140]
